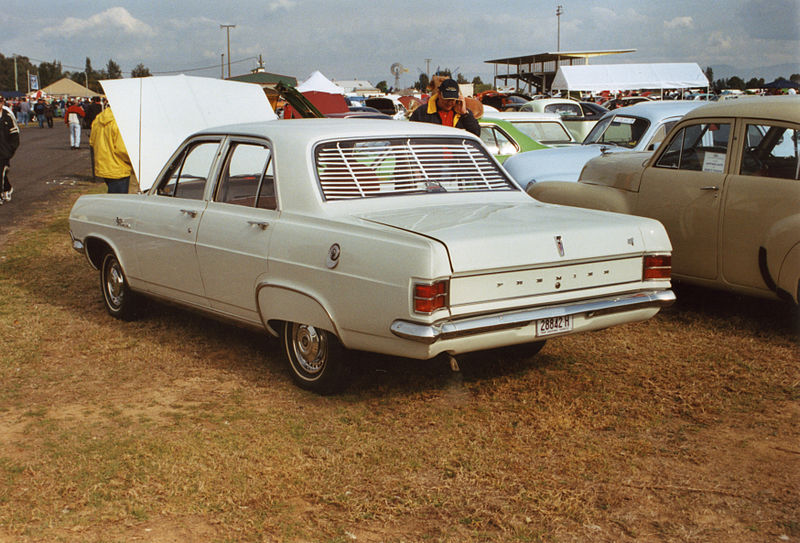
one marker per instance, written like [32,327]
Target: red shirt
[447,117]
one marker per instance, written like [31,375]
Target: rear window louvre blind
[369,168]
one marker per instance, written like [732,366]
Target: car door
[169,222]
[762,203]
[234,236]
[683,188]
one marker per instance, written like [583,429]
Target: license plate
[553,325]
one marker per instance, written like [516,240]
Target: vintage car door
[169,221]
[683,188]
[762,203]
[234,236]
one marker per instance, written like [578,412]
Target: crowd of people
[110,162]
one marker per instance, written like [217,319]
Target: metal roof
[560,55]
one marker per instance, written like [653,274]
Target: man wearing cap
[448,108]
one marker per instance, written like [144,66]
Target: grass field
[179,428]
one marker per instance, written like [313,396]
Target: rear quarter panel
[369,286]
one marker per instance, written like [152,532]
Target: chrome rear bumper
[447,329]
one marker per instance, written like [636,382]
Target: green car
[502,139]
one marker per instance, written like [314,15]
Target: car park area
[177,427]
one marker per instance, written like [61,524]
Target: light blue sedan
[640,127]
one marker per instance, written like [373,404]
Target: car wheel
[119,300]
[316,358]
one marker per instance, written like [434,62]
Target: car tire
[315,356]
[118,298]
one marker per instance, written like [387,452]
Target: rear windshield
[371,168]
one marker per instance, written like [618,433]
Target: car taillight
[428,297]
[657,267]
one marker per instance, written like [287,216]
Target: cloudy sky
[361,39]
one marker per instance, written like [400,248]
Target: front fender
[583,195]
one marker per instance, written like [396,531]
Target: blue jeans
[117,186]
[74,134]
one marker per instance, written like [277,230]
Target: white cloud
[680,22]
[110,22]
[281,4]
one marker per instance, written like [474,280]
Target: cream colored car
[725,184]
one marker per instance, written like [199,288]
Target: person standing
[73,116]
[111,161]
[25,112]
[92,110]
[39,109]
[448,108]
[48,113]
[9,141]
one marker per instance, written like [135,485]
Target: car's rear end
[517,271]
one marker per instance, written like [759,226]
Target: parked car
[502,101]
[625,101]
[399,238]
[725,184]
[641,127]
[579,117]
[502,139]
[546,128]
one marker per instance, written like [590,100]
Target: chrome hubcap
[114,284]
[310,347]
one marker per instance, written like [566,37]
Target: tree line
[50,72]
[738,83]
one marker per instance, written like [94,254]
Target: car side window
[246,177]
[771,151]
[566,110]
[188,175]
[698,147]
[659,134]
[497,142]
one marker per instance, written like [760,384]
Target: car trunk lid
[482,238]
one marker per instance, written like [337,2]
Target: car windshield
[619,130]
[543,131]
[369,168]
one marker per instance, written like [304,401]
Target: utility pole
[222,66]
[559,11]
[16,77]
[428,68]
[228,31]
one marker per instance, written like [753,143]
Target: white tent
[320,83]
[619,77]
[155,114]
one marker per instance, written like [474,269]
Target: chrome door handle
[710,187]
[262,225]
[192,213]
[122,222]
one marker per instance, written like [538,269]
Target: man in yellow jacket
[111,161]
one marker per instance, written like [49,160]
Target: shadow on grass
[63,279]
[726,310]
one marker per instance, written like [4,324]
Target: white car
[579,117]
[640,127]
[399,238]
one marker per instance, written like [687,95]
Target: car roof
[323,129]
[654,110]
[781,108]
[526,116]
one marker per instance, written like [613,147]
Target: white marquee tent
[320,83]
[621,77]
